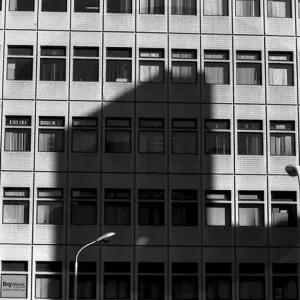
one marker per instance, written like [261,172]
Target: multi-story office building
[169,122]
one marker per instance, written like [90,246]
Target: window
[151,207]
[251,208]
[218,281]
[48,280]
[281,68]
[83,212]
[52,138]
[49,211]
[282,135]
[54,5]
[216,7]
[151,281]
[21,5]
[184,208]
[284,208]
[184,281]
[86,280]
[14,266]
[184,136]
[19,62]
[86,6]
[217,208]
[118,135]
[250,137]
[118,64]
[285,281]
[151,136]
[216,65]
[252,281]
[151,65]
[247,8]
[152,7]
[217,137]
[279,9]
[15,212]
[17,133]
[117,280]
[119,7]
[184,66]
[11,192]
[86,64]
[248,68]
[53,63]
[85,134]
[183,7]
[117,207]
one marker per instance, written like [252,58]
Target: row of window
[151,278]
[151,65]
[151,207]
[151,136]
[243,8]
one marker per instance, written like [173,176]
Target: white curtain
[48,286]
[252,289]
[249,74]
[282,144]
[151,142]
[51,140]
[215,216]
[279,8]
[249,216]
[183,7]
[17,140]
[183,72]
[184,142]
[217,143]
[119,6]
[49,213]
[151,6]
[216,7]
[280,74]
[53,69]
[151,71]
[13,213]
[250,143]
[216,73]
[247,8]
[117,141]
[84,141]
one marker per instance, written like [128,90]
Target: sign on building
[13,286]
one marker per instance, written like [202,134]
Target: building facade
[169,122]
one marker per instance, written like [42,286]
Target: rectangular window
[84,193]
[184,208]
[49,284]
[183,7]
[251,208]
[184,66]
[50,193]
[284,208]
[218,281]
[52,138]
[152,7]
[215,7]
[86,6]
[151,65]
[281,72]
[184,136]
[216,66]
[119,7]
[19,62]
[14,266]
[53,63]
[15,212]
[118,135]
[118,64]
[151,207]
[217,137]
[279,9]
[151,135]
[54,5]
[248,68]
[117,280]
[21,5]
[250,137]
[217,208]
[252,281]
[86,64]
[247,8]
[282,138]
[17,133]
[151,280]
[85,134]
[19,192]
[117,207]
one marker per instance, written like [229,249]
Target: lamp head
[292,170]
[105,238]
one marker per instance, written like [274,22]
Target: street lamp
[293,170]
[103,238]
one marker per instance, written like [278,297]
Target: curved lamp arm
[293,170]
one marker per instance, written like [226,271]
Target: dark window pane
[14,266]
[53,69]
[117,141]
[20,50]
[19,68]
[86,70]
[53,51]
[117,6]
[118,52]
[54,5]
[118,71]
[86,51]
[86,6]
[250,143]
[183,7]
[20,5]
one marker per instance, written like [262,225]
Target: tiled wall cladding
[167,171]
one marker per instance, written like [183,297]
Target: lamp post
[102,238]
[293,170]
